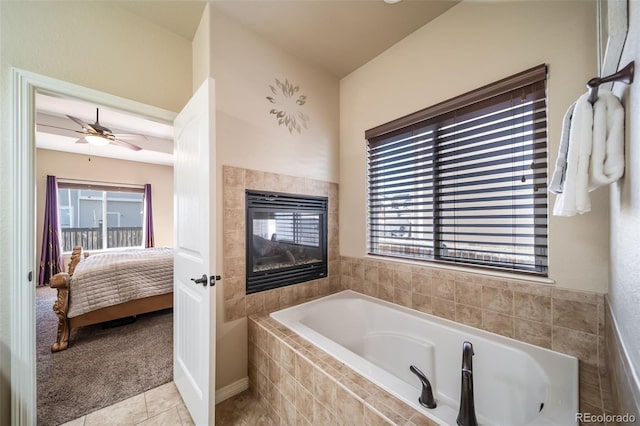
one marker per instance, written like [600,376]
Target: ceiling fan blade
[126,144]
[82,140]
[78,121]
[130,136]
[61,128]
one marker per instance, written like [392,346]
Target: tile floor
[158,406]
[163,406]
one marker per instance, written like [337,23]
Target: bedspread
[107,279]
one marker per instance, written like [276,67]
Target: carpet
[102,365]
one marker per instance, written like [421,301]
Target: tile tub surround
[566,321]
[303,385]
[299,383]
[236,302]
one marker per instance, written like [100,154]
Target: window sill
[467,269]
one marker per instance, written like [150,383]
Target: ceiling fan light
[97,140]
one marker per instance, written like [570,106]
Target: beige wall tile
[233,288]
[443,288]
[421,302]
[497,323]
[468,293]
[349,408]
[255,303]
[578,296]
[443,308]
[536,333]
[498,300]
[575,315]
[402,279]
[233,198]
[304,402]
[469,315]
[373,418]
[532,307]
[234,244]
[324,388]
[233,176]
[421,283]
[254,179]
[572,342]
[402,297]
[234,220]
[235,309]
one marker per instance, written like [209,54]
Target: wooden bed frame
[61,282]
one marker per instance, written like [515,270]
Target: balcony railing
[91,238]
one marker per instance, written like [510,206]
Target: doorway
[119,358]
[23,257]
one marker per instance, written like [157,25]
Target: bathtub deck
[298,383]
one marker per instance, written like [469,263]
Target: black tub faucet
[467,412]
[426,398]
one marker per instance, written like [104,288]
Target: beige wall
[128,57]
[64,165]
[624,287]
[473,44]
[243,66]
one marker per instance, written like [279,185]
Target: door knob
[202,280]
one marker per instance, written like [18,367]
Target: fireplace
[286,239]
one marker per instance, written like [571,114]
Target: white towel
[595,156]
[574,198]
[607,154]
[556,184]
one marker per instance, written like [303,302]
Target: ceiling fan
[97,134]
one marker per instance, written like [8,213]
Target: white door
[194,303]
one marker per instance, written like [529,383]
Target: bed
[109,286]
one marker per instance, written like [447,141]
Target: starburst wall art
[288,103]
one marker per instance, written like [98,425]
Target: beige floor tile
[166,418]
[162,398]
[125,413]
[184,415]
[76,422]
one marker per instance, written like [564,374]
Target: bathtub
[515,383]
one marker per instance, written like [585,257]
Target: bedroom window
[83,209]
[464,181]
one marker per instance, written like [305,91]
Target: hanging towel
[595,155]
[574,198]
[607,153]
[557,180]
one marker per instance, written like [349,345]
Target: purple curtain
[148,217]
[51,261]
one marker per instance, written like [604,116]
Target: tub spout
[426,398]
[467,411]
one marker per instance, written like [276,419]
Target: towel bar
[625,75]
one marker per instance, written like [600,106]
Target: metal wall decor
[288,104]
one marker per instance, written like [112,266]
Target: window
[83,209]
[464,181]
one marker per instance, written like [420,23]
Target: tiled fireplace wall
[237,304]
[568,321]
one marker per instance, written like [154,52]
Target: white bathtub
[514,383]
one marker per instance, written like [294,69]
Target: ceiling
[337,35]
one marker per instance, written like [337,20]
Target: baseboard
[232,390]
[624,378]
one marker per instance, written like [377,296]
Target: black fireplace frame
[281,277]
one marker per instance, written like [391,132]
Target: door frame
[22,216]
